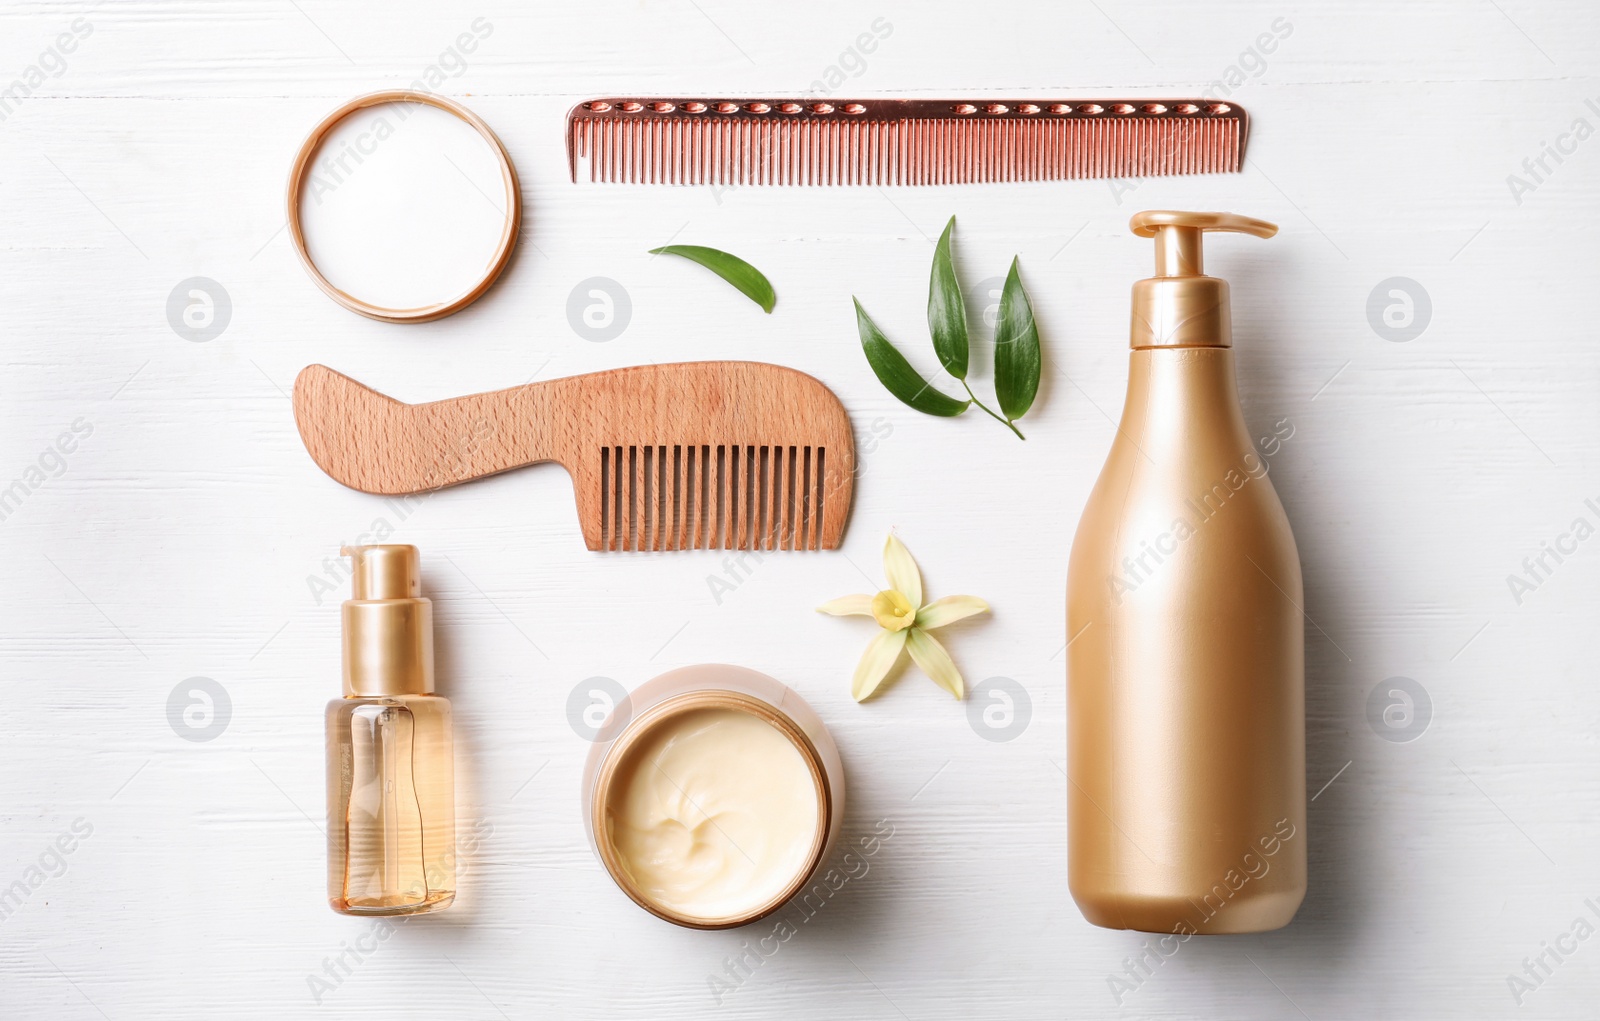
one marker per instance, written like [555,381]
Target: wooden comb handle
[379,445]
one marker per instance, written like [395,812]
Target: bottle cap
[388,626]
[1180,306]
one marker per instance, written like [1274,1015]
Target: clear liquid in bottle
[391,776]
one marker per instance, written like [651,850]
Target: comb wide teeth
[714,496]
[898,142]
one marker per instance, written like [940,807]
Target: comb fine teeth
[714,496]
[898,142]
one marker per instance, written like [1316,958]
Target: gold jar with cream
[717,797]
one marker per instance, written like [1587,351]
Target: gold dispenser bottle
[1186,658]
[391,777]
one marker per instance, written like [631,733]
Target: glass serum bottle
[391,778]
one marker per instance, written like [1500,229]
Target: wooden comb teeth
[714,496]
[890,141]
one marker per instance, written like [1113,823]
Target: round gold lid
[304,170]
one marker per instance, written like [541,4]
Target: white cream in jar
[713,813]
[716,799]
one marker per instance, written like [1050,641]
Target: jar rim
[645,724]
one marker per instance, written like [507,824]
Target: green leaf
[731,268]
[1016,349]
[897,375]
[947,311]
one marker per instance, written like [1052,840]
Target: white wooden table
[178,533]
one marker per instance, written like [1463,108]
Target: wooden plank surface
[171,526]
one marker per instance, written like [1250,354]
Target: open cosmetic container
[714,796]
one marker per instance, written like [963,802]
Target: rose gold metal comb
[697,455]
[895,141]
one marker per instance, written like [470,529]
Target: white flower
[906,622]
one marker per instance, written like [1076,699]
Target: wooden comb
[697,455]
[896,141]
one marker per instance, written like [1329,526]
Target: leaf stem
[991,414]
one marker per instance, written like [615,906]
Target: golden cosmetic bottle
[1186,653]
[391,777]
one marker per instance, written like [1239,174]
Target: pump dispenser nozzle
[384,572]
[388,626]
[1180,306]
